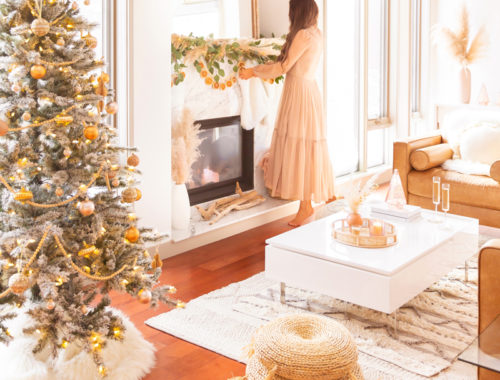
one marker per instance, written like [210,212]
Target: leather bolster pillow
[430,157]
[495,171]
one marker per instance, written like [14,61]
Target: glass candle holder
[376,228]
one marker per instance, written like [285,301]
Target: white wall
[273,17]
[444,77]
[150,103]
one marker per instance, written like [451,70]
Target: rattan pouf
[304,347]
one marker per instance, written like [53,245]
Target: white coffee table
[381,279]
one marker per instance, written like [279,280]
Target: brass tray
[373,233]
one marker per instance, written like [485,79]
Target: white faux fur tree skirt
[129,359]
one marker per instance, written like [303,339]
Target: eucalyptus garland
[209,57]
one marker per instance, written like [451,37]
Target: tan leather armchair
[470,195]
[489,293]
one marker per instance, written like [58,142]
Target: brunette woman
[298,166]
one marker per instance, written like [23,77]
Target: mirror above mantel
[220,18]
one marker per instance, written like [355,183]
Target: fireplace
[226,157]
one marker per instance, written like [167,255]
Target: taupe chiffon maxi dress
[298,166]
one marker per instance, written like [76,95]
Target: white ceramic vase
[465,84]
[181,210]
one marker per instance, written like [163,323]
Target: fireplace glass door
[226,157]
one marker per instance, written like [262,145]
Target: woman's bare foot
[305,212]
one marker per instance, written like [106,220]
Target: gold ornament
[144,296]
[86,208]
[129,195]
[88,250]
[60,41]
[157,263]
[67,152]
[4,128]
[112,108]
[38,71]
[91,132]
[50,304]
[90,41]
[40,27]
[133,160]
[132,234]
[22,162]
[74,6]
[86,2]
[23,195]
[64,119]
[116,183]
[139,195]
[19,283]
[26,116]
[59,192]
[111,174]
[84,309]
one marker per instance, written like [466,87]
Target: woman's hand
[246,73]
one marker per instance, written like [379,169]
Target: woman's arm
[274,70]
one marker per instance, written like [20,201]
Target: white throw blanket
[467,167]
[259,102]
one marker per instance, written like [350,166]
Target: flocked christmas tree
[68,231]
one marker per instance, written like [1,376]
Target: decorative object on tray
[185,151]
[208,55]
[483,99]
[464,49]
[223,206]
[355,195]
[406,212]
[396,195]
[373,233]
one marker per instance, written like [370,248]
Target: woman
[298,166]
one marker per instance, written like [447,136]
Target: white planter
[181,210]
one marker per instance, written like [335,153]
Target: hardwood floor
[196,273]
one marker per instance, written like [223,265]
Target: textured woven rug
[433,329]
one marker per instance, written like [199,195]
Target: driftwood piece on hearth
[222,207]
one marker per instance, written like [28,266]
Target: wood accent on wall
[255,19]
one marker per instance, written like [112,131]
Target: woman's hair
[302,14]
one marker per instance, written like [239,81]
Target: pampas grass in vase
[185,146]
[462,48]
[185,151]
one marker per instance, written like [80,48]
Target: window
[357,84]
[99,12]
[202,18]
[416,53]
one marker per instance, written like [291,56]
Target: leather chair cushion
[430,157]
[472,190]
[495,171]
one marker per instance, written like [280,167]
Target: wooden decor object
[223,206]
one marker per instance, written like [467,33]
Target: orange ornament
[132,234]
[139,195]
[204,73]
[222,86]
[91,132]
[38,71]
[112,108]
[4,128]
[59,192]
[216,85]
[133,160]
[202,65]
[144,296]
[208,81]
[229,83]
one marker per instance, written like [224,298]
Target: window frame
[416,58]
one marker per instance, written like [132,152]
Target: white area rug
[433,328]
[130,359]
